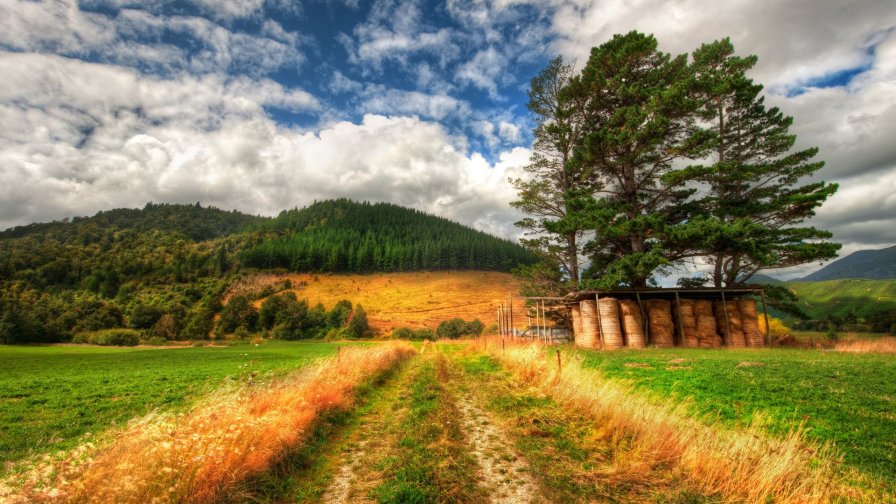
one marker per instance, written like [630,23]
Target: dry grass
[203,455]
[885,344]
[415,300]
[737,465]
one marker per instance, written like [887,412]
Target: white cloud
[65,150]
[382,100]
[483,71]
[134,37]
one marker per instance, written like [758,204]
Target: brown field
[415,300]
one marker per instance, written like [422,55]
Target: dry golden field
[418,299]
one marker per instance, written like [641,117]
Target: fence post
[559,364]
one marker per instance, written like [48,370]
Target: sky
[264,105]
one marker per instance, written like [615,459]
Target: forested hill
[166,268]
[194,222]
[343,235]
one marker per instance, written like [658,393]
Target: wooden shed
[693,317]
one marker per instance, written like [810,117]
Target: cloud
[142,39]
[483,71]
[395,31]
[382,100]
[66,150]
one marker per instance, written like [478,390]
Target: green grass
[50,396]
[848,399]
[840,297]
[430,463]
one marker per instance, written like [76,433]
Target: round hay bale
[590,338]
[662,328]
[750,321]
[610,328]
[707,337]
[735,337]
[703,307]
[576,311]
[632,323]
[684,310]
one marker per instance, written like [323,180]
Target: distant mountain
[761,279]
[872,264]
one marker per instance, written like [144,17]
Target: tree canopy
[659,159]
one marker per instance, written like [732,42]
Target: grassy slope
[421,299]
[844,398]
[838,297]
[50,396]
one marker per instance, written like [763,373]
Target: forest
[165,269]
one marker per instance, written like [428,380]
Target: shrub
[358,326]
[458,327]
[406,333]
[109,337]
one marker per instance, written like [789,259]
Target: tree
[638,113]
[543,195]
[751,212]
[358,326]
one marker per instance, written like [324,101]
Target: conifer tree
[751,213]
[639,116]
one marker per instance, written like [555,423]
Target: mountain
[870,264]
[761,279]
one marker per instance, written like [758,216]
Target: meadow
[51,396]
[413,299]
[844,398]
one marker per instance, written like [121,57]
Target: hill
[415,299]
[849,302]
[871,264]
[346,236]
[165,269]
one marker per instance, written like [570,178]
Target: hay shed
[692,317]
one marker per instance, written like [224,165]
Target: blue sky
[262,105]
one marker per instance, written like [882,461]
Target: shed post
[727,322]
[644,318]
[768,331]
[500,321]
[600,328]
[510,303]
[680,326]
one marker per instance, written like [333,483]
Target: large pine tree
[639,120]
[751,212]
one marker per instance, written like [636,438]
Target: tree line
[644,161]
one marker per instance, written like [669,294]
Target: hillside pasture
[415,300]
[51,396]
[843,398]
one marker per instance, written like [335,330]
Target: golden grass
[884,344]
[203,455]
[739,465]
[415,300]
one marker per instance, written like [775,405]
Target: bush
[109,337]
[358,326]
[458,327]
[406,333]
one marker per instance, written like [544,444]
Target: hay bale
[589,338]
[610,328]
[735,336]
[707,337]
[662,328]
[576,311]
[750,320]
[632,323]
[686,313]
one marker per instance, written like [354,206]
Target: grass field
[50,396]
[848,399]
[840,297]
[420,299]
